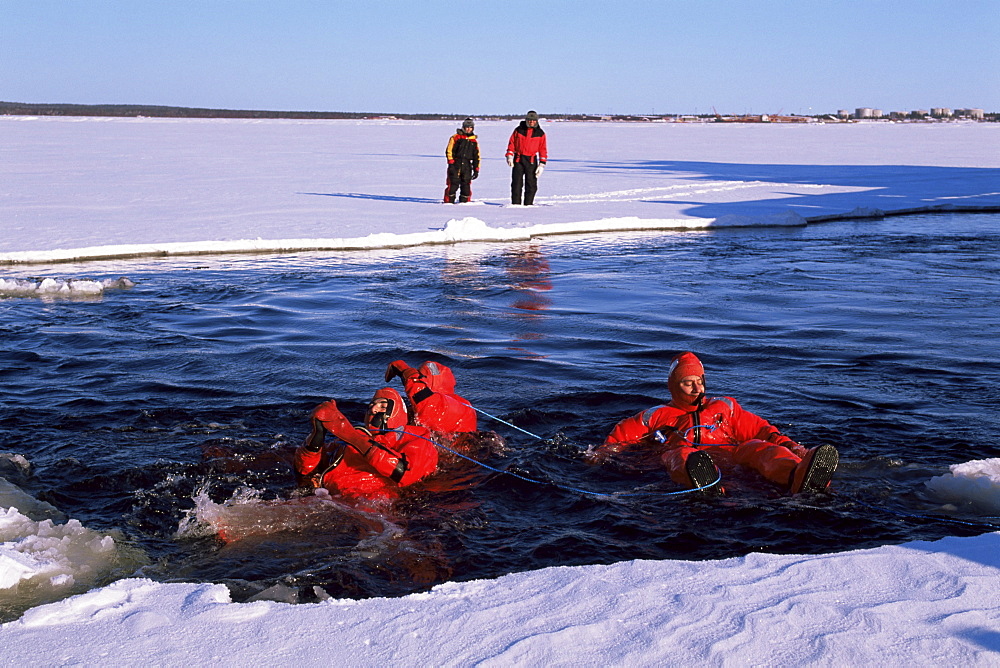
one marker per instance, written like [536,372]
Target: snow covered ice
[74,188]
[78,188]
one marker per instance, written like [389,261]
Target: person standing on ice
[527,154]
[463,162]
[696,432]
[371,462]
[436,406]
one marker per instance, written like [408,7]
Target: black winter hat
[468,123]
[531,116]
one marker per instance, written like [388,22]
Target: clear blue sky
[580,56]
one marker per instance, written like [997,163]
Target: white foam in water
[246,514]
[976,483]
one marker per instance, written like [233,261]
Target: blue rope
[718,478]
[662,438]
[479,410]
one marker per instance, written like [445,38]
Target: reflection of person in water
[693,431]
[371,462]
[528,269]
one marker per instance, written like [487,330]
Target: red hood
[437,377]
[684,364]
[398,415]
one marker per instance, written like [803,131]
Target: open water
[169,409]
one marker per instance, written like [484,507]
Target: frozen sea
[177,295]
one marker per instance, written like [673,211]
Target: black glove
[314,443]
[475,175]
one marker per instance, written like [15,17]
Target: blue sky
[582,56]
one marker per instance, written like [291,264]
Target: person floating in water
[697,432]
[370,462]
[436,406]
[450,417]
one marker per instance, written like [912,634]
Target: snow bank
[917,604]
[44,561]
[454,231]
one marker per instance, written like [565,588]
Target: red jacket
[717,421]
[528,141]
[436,406]
[392,459]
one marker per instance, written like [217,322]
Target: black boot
[814,472]
[703,474]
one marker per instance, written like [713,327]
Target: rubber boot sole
[819,471]
[702,472]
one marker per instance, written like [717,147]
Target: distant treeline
[139,110]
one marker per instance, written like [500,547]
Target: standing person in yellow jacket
[463,162]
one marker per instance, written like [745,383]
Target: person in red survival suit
[371,462]
[696,430]
[527,153]
[436,406]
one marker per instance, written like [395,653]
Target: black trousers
[459,178]
[523,176]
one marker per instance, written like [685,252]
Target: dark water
[875,336]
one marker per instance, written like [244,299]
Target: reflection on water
[529,278]
[182,398]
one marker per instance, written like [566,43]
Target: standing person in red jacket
[436,406]
[463,162]
[527,154]
[371,462]
[697,431]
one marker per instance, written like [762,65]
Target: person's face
[376,418]
[692,386]
[532,123]
[467,130]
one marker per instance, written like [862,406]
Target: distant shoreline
[158,111]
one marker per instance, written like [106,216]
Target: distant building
[863,112]
[940,112]
[919,113]
[843,113]
[974,114]
[897,114]
[877,113]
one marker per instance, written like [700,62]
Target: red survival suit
[716,425]
[373,465]
[431,388]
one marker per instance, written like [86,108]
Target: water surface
[148,409]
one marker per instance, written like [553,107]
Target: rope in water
[662,438]
[567,488]
[502,421]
